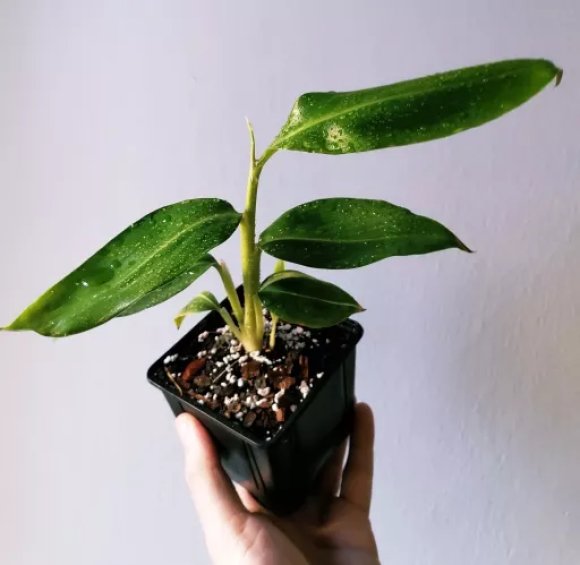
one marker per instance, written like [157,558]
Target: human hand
[331,528]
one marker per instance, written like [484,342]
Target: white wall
[110,109]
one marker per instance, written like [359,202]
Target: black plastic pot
[279,472]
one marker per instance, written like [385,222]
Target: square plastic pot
[279,472]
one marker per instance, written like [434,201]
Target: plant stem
[273,327]
[231,291]
[252,327]
[259,319]
[279,267]
[231,324]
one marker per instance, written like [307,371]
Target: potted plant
[270,369]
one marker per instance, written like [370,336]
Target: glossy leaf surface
[412,111]
[301,299]
[171,288]
[203,302]
[342,233]
[147,256]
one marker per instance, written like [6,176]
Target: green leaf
[147,256]
[203,302]
[412,111]
[171,288]
[342,233]
[301,299]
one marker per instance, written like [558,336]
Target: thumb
[213,494]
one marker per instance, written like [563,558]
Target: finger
[331,473]
[213,493]
[357,480]
[249,502]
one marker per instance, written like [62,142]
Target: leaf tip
[559,76]
[460,245]
[178,320]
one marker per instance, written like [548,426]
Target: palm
[328,529]
[344,536]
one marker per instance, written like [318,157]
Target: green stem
[272,340]
[231,324]
[252,328]
[230,290]
[259,319]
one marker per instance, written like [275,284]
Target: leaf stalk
[230,288]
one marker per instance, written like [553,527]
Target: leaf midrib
[167,284]
[158,250]
[302,296]
[339,241]
[171,241]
